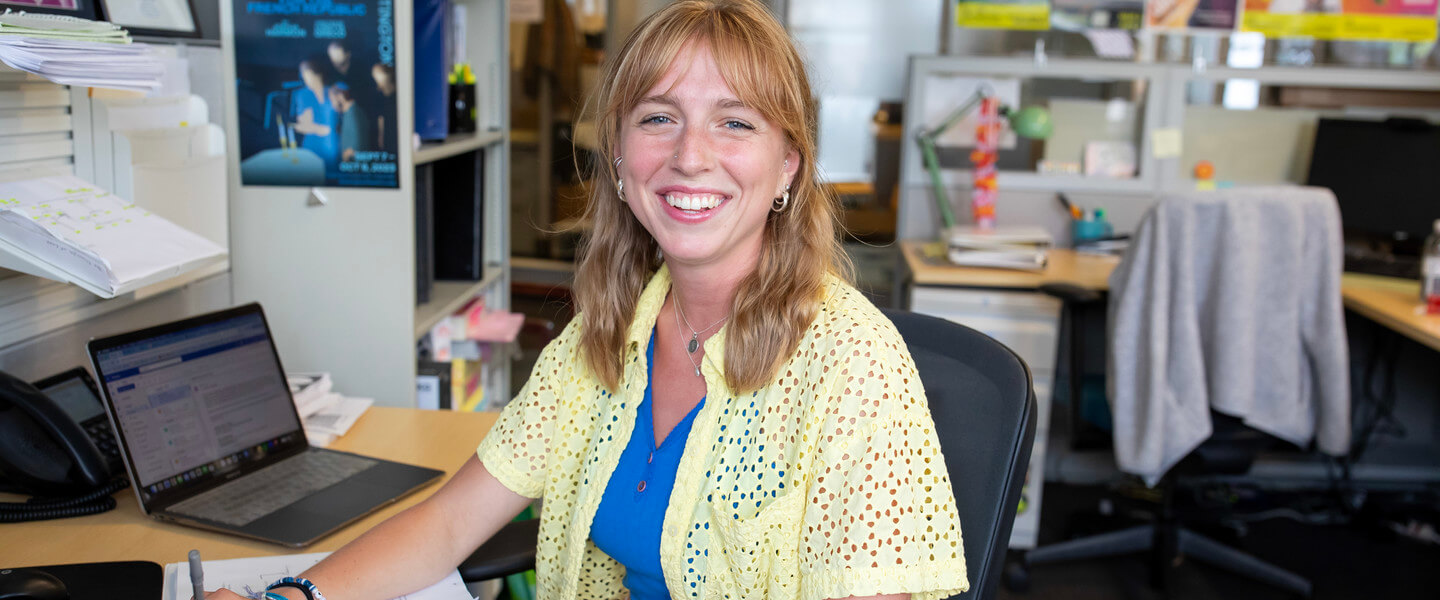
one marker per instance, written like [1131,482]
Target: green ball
[1032,122]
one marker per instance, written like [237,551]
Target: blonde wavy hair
[777,301]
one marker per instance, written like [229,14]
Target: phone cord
[41,509]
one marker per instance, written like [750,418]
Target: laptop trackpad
[322,511]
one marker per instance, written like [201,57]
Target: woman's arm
[417,547]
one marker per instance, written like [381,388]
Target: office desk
[1390,301]
[437,439]
[1394,303]
[1006,305]
[1064,266]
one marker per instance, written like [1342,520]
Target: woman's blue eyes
[731,124]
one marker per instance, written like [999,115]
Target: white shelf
[456,144]
[446,297]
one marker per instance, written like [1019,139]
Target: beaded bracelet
[278,585]
[304,585]
[274,596]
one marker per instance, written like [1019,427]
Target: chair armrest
[511,550]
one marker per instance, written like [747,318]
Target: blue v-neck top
[627,524]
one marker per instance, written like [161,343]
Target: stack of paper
[69,228]
[324,414]
[1003,247]
[72,51]
[60,27]
[248,577]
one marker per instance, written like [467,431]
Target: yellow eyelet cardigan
[827,483]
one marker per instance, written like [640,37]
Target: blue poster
[315,92]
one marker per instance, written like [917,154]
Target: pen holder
[462,108]
[1085,231]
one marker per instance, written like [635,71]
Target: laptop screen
[196,401]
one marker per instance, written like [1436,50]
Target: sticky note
[1165,143]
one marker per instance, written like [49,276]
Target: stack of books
[1003,247]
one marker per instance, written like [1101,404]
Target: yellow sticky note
[1205,185]
[1165,143]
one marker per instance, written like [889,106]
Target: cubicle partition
[48,128]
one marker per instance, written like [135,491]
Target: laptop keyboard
[248,498]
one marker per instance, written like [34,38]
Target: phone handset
[45,452]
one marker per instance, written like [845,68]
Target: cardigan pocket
[758,554]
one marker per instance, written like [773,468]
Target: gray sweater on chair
[1229,300]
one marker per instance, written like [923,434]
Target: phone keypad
[99,432]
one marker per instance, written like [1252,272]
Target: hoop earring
[619,181]
[781,202]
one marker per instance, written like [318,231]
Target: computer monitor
[1386,176]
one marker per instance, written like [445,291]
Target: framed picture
[163,18]
[84,9]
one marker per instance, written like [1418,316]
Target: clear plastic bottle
[1430,272]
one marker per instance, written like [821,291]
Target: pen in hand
[197,575]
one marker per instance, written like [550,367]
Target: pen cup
[1085,231]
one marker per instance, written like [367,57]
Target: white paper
[311,392]
[249,576]
[83,63]
[1111,43]
[104,232]
[339,417]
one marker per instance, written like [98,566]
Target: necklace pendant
[694,343]
[697,371]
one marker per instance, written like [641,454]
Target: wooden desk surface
[1068,266]
[437,439]
[1392,302]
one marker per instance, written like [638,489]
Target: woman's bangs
[755,78]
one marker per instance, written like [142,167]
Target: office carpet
[1354,560]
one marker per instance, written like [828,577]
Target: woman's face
[701,169]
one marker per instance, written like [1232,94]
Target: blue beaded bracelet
[274,596]
[304,585]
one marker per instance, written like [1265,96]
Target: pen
[197,575]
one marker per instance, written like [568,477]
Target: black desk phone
[56,443]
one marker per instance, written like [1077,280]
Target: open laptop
[211,437]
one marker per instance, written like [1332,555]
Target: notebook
[211,437]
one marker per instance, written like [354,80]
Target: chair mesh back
[983,405]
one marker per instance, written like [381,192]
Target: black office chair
[983,404]
[1231,449]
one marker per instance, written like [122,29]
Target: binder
[432,68]
[458,218]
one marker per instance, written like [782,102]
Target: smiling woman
[726,417]
[709,104]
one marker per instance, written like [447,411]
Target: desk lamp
[1031,122]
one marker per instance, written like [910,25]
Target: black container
[462,108]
